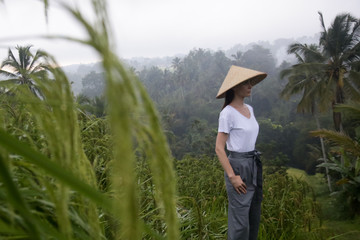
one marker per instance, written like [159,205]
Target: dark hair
[229,96]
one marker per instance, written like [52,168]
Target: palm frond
[24,56]
[284,73]
[9,82]
[11,61]
[7,73]
[339,139]
[352,109]
[351,54]
[354,77]
[351,89]
[322,22]
[38,56]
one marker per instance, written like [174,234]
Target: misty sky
[156,28]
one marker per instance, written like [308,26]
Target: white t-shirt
[242,131]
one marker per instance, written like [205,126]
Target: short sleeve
[224,123]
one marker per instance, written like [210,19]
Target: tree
[95,106]
[25,69]
[341,46]
[302,80]
[156,85]
[259,58]
[237,58]
[177,65]
[93,84]
[335,69]
[349,147]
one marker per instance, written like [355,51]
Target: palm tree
[237,58]
[350,148]
[95,106]
[340,45]
[335,69]
[177,65]
[25,69]
[303,80]
[338,66]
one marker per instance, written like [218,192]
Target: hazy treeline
[185,96]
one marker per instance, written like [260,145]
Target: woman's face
[243,89]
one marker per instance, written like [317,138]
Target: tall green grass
[288,209]
[58,173]
[202,198]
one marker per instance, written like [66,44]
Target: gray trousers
[244,209]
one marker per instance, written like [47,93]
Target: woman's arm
[235,180]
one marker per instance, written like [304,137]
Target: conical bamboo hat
[237,75]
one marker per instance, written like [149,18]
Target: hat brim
[237,75]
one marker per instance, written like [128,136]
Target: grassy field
[333,227]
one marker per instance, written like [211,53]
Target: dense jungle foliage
[108,164]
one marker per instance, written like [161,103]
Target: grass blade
[15,146]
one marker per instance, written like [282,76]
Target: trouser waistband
[255,155]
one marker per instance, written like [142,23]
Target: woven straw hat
[237,75]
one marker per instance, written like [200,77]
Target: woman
[238,130]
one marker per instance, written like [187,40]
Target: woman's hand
[238,184]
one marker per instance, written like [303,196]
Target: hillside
[277,48]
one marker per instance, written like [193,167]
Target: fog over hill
[278,49]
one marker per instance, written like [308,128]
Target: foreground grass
[333,226]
